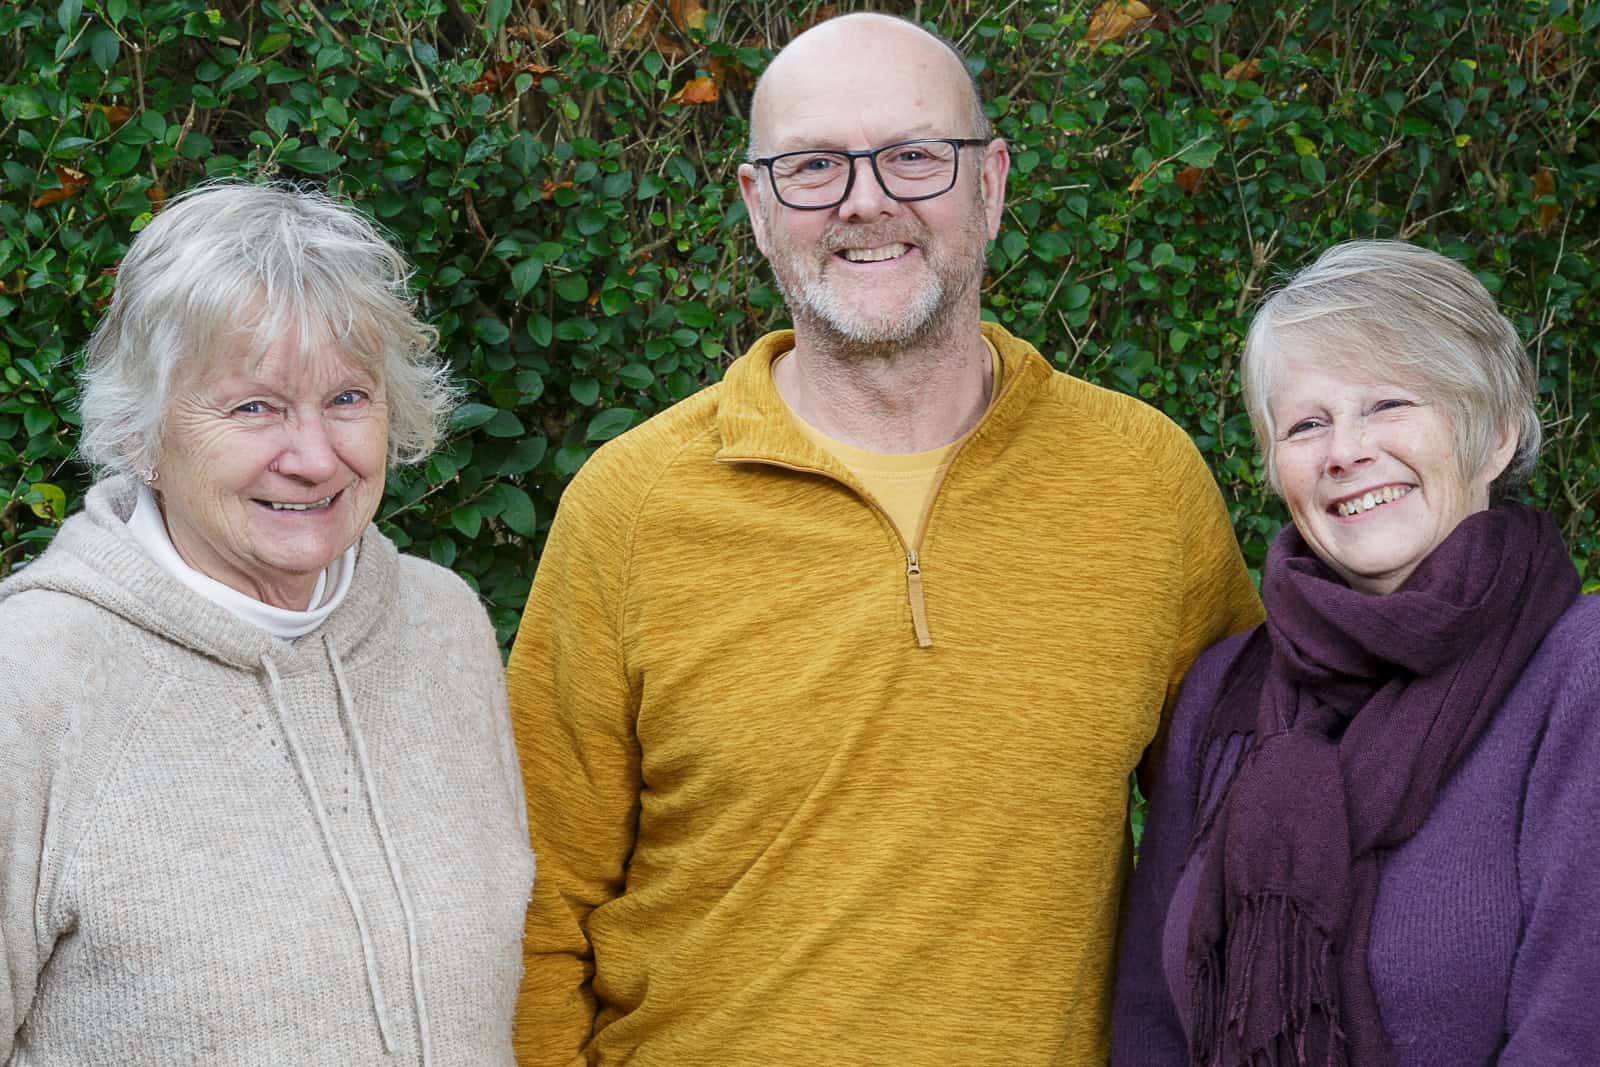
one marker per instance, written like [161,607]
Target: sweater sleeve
[1146,1030]
[31,738]
[1551,1017]
[1218,597]
[573,714]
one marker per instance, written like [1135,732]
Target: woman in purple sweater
[1375,834]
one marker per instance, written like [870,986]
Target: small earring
[147,475]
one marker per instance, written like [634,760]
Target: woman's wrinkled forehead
[261,345]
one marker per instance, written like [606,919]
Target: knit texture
[771,827]
[177,889]
[1484,947]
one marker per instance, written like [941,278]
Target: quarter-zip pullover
[803,793]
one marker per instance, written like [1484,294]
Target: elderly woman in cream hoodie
[258,797]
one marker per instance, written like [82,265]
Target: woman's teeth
[1371,500]
[313,506]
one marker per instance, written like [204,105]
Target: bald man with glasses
[833,676]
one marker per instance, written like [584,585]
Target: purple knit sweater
[1486,932]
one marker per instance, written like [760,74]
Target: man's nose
[867,198]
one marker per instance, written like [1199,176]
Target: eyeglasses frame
[871,156]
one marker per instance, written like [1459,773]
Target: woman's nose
[1348,447]
[308,452]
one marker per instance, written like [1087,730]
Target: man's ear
[992,183]
[750,191]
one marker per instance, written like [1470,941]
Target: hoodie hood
[94,557]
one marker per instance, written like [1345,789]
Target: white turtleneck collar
[150,531]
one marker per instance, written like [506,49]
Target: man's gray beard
[832,328]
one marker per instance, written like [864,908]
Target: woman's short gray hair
[1394,312]
[232,262]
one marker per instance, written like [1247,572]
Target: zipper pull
[919,611]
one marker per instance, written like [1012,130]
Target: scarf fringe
[1310,1033]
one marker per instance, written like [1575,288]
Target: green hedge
[563,175]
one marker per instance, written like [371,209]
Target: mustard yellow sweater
[773,825]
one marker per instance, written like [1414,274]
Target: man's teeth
[874,255]
[314,506]
[1371,500]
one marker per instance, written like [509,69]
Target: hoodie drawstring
[347,711]
[347,716]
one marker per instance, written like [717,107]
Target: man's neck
[909,399]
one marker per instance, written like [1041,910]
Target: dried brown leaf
[687,14]
[1544,184]
[632,24]
[696,91]
[72,183]
[1245,70]
[1113,20]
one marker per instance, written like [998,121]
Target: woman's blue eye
[252,407]
[1301,426]
[1390,405]
[350,396]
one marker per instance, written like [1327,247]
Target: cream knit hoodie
[218,847]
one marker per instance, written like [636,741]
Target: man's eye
[910,155]
[252,407]
[817,164]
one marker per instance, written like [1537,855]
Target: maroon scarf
[1359,708]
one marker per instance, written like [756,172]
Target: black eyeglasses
[816,179]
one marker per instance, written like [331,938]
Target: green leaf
[695,315]
[573,287]
[526,275]
[104,48]
[471,416]
[504,424]
[52,503]
[569,458]
[519,514]
[67,15]
[541,329]
[1202,154]
[1311,167]
[496,10]
[1161,255]
[313,159]
[23,104]
[585,391]
[525,455]
[491,331]
[468,520]
[636,376]
[609,423]
[238,80]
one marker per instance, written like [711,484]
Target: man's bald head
[854,39]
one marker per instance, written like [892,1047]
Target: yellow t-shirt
[902,483]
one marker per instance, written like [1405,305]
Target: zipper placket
[919,607]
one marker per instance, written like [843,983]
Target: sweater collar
[755,424]
[96,557]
